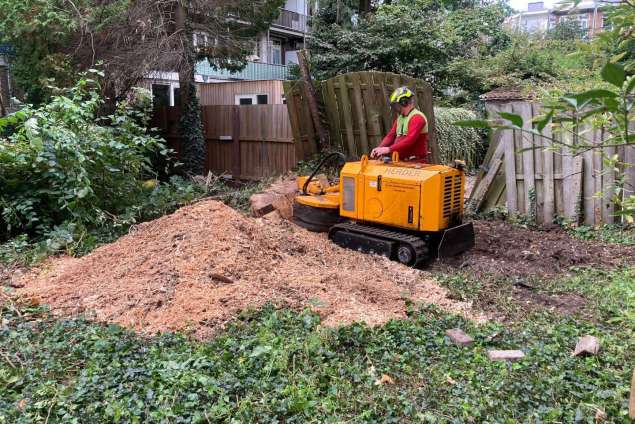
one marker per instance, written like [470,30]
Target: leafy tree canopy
[54,39]
[420,38]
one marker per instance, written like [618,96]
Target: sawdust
[198,268]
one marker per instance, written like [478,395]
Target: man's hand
[379,151]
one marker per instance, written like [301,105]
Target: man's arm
[390,137]
[415,126]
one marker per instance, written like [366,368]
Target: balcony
[253,71]
[292,21]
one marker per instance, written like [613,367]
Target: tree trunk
[364,7]
[190,126]
[313,102]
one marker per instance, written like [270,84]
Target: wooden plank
[588,185]
[568,207]
[307,122]
[507,140]
[496,196]
[572,185]
[236,160]
[479,192]
[292,107]
[527,143]
[387,115]
[597,166]
[331,106]
[360,114]
[345,106]
[375,134]
[608,186]
[548,185]
[481,186]
[537,153]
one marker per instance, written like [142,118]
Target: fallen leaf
[451,380]
[385,379]
[22,405]
[600,416]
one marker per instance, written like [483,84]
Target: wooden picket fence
[246,142]
[521,174]
[355,110]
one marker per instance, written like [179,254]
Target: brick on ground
[505,355]
[459,337]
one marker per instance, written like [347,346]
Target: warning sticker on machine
[373,184]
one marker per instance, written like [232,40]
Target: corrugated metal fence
[248,142]
[521,174]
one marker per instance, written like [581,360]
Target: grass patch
[281,366]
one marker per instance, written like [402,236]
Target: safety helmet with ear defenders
[402,96]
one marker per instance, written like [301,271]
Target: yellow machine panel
[401,194]
[407,211]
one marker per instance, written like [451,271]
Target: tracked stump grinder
[410,212]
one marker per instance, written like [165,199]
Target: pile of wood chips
[198,268]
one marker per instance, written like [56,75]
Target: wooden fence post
[312,99]
[236,142]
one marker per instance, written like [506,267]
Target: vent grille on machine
[452,195]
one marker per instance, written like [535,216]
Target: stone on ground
[587,345]
[459,337]
[505,355]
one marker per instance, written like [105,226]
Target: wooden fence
[526,177]
[247,142]
[355,110]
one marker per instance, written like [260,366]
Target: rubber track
[422,253]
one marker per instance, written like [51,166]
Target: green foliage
[458,142]
[420,38]
[607,233]
[567,30]
[156,200]
[43,33]
[531,63]
[275,366]
[64,166]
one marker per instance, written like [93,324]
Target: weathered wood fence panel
[528,178]
[356,110]
[248,142]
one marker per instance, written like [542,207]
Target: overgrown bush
[64,165]
[458,142]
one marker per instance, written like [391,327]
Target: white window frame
[253,97]
[171,87]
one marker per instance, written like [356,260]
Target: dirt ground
[505,249]
[199,267]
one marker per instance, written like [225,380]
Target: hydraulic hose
[319,166]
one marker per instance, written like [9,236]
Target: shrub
[64,165]
[458,142]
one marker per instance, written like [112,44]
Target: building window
[276,52]
[161,95]
[200,39]
[251,99]
[584,21]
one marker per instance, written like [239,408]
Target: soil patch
[565,304]
[504,249]
[201,266]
